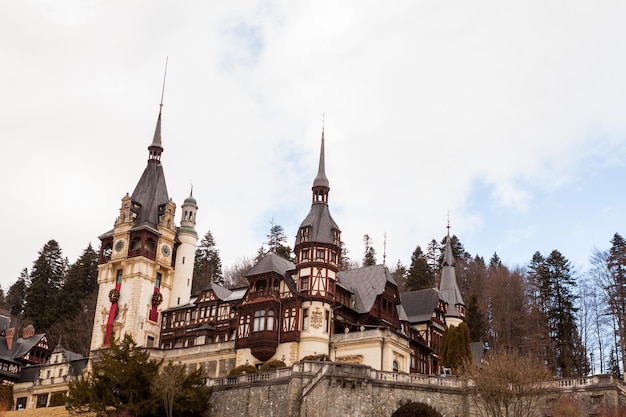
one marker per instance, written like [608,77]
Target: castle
[384,346]
[288,311]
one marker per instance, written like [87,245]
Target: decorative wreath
[157,298]
[114,295]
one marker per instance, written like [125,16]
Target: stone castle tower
[145,262]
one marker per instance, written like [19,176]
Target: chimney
[28,331]
[9,337]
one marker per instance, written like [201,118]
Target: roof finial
[448,226]
[385,248]
[164,77]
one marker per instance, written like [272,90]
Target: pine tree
[433,254]
[81,281]
[419,275]
[399,274]
[615,288]
[495,261]
[207,264]
[474,319]
[121,381]
[344,259]
[46,279]
[275,241]
[562,314]
[369,255]
[455,346]
[16,296]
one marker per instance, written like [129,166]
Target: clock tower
[137,277]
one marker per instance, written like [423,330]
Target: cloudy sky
[509,116]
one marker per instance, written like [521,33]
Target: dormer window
[304,234]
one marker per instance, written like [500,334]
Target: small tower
[449,289]
[187,238]
[317,250]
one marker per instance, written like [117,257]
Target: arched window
[395,366]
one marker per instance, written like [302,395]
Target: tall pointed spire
[449,288]
[321,186]
[156,147]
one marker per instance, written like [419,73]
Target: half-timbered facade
[288,311]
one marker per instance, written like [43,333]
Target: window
[270,321]
[260,286]
[305,254]
[304,283]
[119,276]
[150,342]
[305,319]
[42,400]
[259,321]
[320,253]
[60,372]
[326,320]
[395,366]
[157,283]
[47,374]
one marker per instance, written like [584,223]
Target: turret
[449,288]
[185,253]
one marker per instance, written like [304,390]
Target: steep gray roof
[448,288]
[366,283]
[321,223]
[151,191]
[271,263]
[419,305]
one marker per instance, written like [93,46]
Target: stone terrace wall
[326,389]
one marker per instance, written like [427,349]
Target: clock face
[119,245]
[165,250]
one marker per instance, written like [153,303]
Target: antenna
[164,77]
[385,248]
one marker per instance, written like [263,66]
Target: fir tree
[81,281]
[275,241]
[121,381]
[16,296]
[46,279]
[369,255]
[615,288]
[474,319]
[419,275]
[207,264]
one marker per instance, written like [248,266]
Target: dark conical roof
[151,190]
[449,288]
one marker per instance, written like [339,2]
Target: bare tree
[235,276]
[509,385]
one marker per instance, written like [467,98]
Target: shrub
[243,369]
[566,407]
[272,364]
[412,409]
[322,357]
[57,399]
